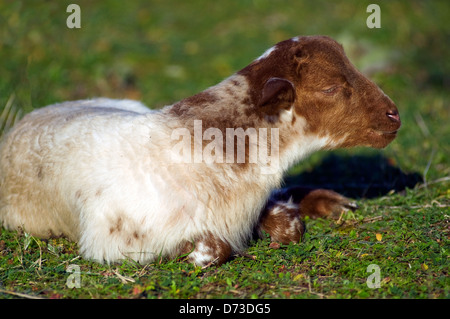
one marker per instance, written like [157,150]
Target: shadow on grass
[356,176]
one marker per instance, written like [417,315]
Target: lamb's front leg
[282,221]
[206,250]
[282,216]
[316,203]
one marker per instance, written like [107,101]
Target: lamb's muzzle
[102,172]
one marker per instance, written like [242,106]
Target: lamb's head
[312,77]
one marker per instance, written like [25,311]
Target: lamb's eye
[330,91]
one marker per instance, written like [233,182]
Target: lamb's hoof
[325,203]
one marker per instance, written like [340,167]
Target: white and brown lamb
[128,182]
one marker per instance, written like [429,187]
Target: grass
[409,242]
[161,52]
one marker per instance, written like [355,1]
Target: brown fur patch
[117,225]
[206,249]
[282,221]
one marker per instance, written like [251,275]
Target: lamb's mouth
[389,133]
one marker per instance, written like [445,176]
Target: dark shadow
[356,176]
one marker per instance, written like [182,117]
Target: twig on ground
[19,294]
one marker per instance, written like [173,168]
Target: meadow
[396,245]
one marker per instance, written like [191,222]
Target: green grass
[331,262]
[160,52]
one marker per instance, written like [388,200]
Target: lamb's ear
[277,93]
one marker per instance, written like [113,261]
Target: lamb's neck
[225,105]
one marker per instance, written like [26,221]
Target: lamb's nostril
[393,115]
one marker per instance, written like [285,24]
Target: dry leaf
[274,245]
[379,236]
[298,277]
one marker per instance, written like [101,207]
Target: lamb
[192,178]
